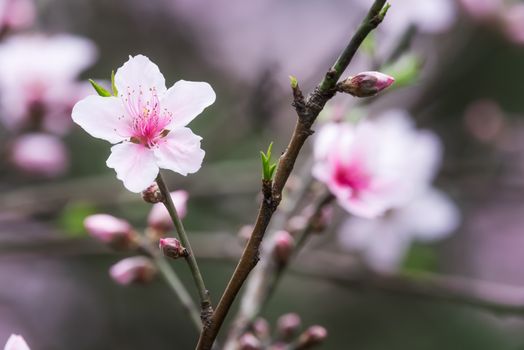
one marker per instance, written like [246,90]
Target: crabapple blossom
[39,154]
[37,78]
[147,123]
[16,342]
[16,14]
[159,218]
[383,242]
[377,164]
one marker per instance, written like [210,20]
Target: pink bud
[261,328]
[16,342]
[249,342]
[288,325]
[137,269]
[159,218]
[152,194]
[111,230]
[172,248]
[283,248]
[39,154]
[314,335]
[366,84]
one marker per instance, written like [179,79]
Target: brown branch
[307,113]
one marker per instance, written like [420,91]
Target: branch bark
[307,111]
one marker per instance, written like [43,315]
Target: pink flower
[16,14]
[39,154]
[137,269]
[377,164]
[147,123]
[159,218]
[383,242]
[37,77]
[16,342]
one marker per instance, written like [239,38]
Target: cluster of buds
[287,335]
[365,84]
[152,194]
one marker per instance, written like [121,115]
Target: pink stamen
[352,175]
[149,122]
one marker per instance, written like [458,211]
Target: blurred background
[458,66]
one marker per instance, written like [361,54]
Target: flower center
[352,175]
[149,121]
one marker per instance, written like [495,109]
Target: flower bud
[314,335]
[365,84]
[288,325]
[16,342]
[135,270]
[116,232]
[172,248]
[39,154]
[283,248]
[261,328]
[159,218]
[152,194]
[249,342]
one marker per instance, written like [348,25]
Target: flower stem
[203,293]
[178,287]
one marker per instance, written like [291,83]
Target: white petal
[180,151]
[16,342]
[134,164]
[431,216]
[103,118]
[186,100]
[139,73]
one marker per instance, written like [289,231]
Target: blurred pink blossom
[16,14]
[109,229]
[147,122]
[483,10]
[377,164]
[16,342]
[513,22]
[384,241]
[159,218]
[137,269]
[40,154]
[37,78]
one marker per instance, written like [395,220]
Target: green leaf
[268,169]
[420,258]
[71,219]
[405,70]
[113,85]
[293,81]
[99,89]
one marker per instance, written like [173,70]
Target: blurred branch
[101,188]
[339,269]
[307,111]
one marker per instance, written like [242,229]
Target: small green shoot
[268,169]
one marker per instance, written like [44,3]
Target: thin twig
[203,293]
[307,113]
